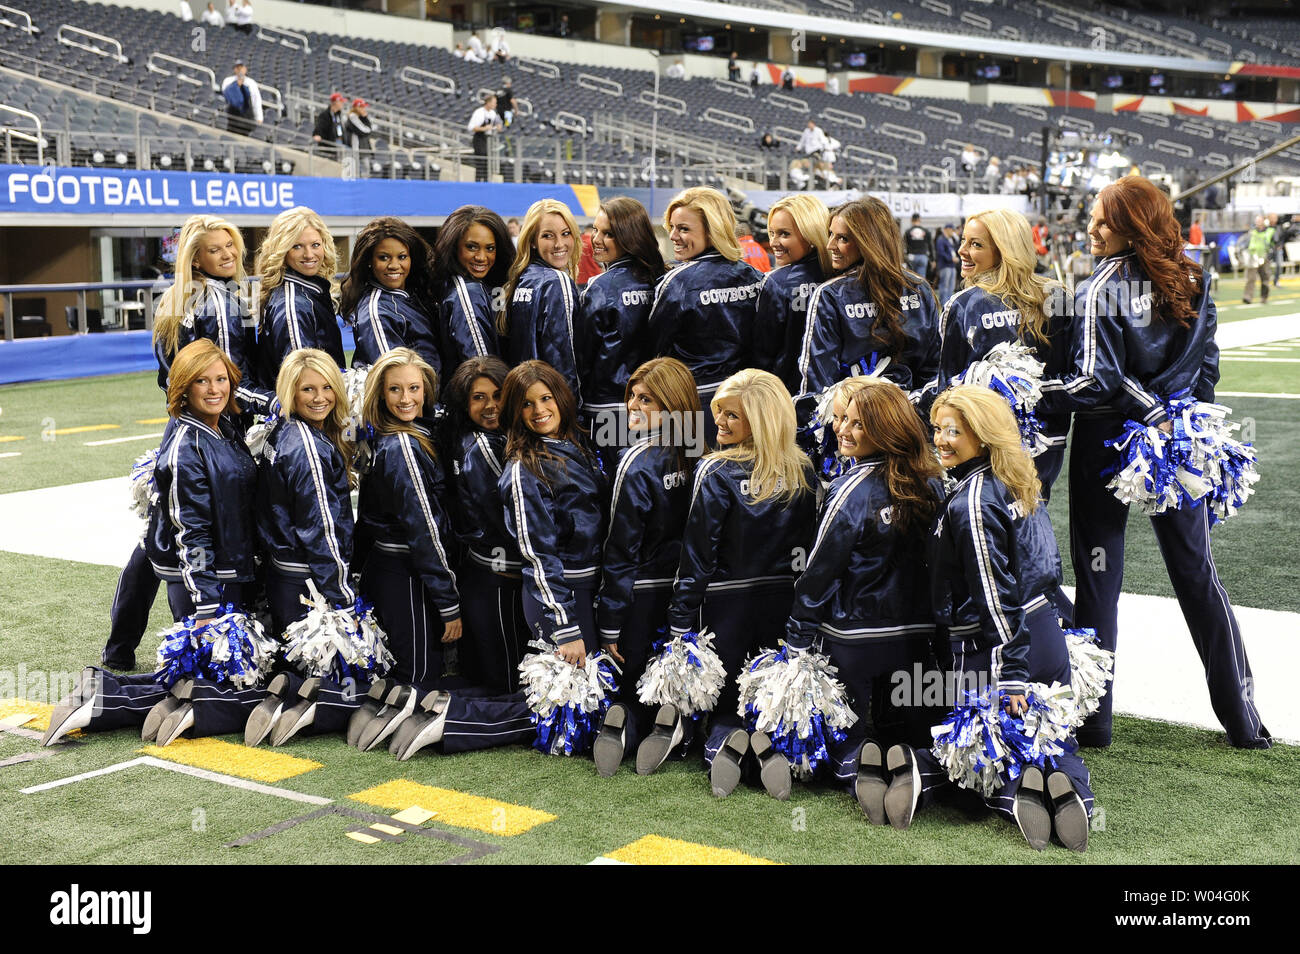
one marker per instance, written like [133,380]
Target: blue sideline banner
[97,192]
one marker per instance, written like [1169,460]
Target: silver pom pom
[144,491]
[224,634]
[1011,369]
[1091,668]
[354,383]
[337,642]
[687,674]
[554,688]
[257,434]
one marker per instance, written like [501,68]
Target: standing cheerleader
[385,295]
[542,293]
[297,291]
[1143,335]
[407,572]
[993,566]
[553,494]
[864,594]
[201,541]
[703,309]
[643,548]
[796,229]
[473,254]
[491,577]
[1002,300]
[615,308]
[752,515]
[872,309]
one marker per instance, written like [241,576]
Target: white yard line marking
[12,454]
[1233,357]
[1256,394]
[185,770]
[124,440]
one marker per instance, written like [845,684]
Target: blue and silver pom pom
[232,648]
[685,672]
[1091,669]
[354,384]
[257,433]
[568,702]
[144,491]
[1011,369]
[982,746]
[794,697]
[817,438]
[339,642]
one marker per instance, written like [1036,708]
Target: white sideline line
[123,440]
[184,770]
[1257,394]
[12,454]
[1230,357]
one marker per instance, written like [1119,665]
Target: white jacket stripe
[322,500]
[417,480]
[462,292]
[526,548]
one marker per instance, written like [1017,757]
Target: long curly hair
[990,419]
[270,264]
[189,365]
[629,223]
[1138,211]
[909,459]
[811,218]
[420,283]
[336,427]
[1013,279]
[181,299]
[446,248]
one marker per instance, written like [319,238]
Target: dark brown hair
[910,464]
[455,393]
[420,282]
[629,223]
[521,441]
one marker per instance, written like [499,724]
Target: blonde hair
[271,263]
[992,422]
[338,426]
[375,409]
[812,219]
[178,301]
[719,219]
[526,252]
[1013,279]
[780,468]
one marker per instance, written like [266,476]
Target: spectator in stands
[360,126]
[833,85]
[212,17]
[946,262]
[243,101]
[562,29]
[477,52]
[329,124]
[500,50]
[1039,234]
[459,52]
[916,243]
[750,251]
[185,12]
[512,226]
[768,142]
[1279,235]
[812,143]
[1259,247]
[506,102]
[484,123]
[787,78]
[1195,238]
[733,67]
[676,70]
[826,164]
[243,17]
[993,174]
[969,159]
[754,75]
[1033,183]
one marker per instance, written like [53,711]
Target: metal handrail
[358,58]
[18,13]
[120,57]
[439,83]
[39,138]
[197,67]
[282,36]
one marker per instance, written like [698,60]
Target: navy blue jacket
[222,317]
[1123,358]
[542,312]
[477,516]
[842,330]
[299,313]
[613,333]
[945,253]
[559,524]
[865,580]
[732,544]
[782,318]
[386,319]
[304,509]
[465,324]
[703,315]
[973,323]
[202,532]
[646,518]
[990,567]
[400,510]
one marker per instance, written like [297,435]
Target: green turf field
[1168,794]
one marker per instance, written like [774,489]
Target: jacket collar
[970,468]
[315,283]
[376,287]
[189,417]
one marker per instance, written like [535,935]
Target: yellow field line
[6,438]
[657,850]
[153,420]
[86,427]
[231,759]
[457,808]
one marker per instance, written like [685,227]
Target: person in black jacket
[329,128]
[360,126]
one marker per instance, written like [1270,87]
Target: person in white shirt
[833,85]
[243,17]
[185,12]
[476,50]
[500,50]
[243,101]
[754,76]
[676,70]
[969,159]
[812,143]
[485,122]
[212,17]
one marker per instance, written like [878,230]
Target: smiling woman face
[954,440]
[1104,241]
[978,253]
[788,244]
[314,398]
[208,396]
[642,409]
[603,246]
[844,251]
[305,256]
[404,392]
[688,234]
[541,414]
[733,425]
[554,240]
[391,263]
[216,255]
[478,251]
[485,403]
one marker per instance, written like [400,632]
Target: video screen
[699,44]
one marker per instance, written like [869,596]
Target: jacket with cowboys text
[782,317]
[613,333]
[542,311]
[990,567]
[299,313]
[385,319]
[559,523]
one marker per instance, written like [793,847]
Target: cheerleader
[201,543]
[1003,300]
[473,254]
[751,520]
[643,546]
[542,292]
[615,306]
[297,291]
[864,594]
[305,524]
[703,309]
[386,291]
[993,566]
[553,495]
[491,577]
[796,229]
[1144,332]
[872,309]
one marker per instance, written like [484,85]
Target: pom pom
[982,745]
[1091,668]
[257,433]
[1011,369]
[342,643]
[568,702]
[794,697]
[354,384]
[685,672]
[817,438]
[144,491]
[232,648]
